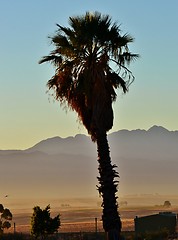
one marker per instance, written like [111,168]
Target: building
[157,222]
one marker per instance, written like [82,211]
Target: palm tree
[90,58]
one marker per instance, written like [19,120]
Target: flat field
[79,215]
[83,219]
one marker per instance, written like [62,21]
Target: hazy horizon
[68,168]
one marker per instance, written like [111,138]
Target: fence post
[96,226]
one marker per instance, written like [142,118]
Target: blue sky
[27,113]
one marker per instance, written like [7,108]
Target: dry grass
[83,219]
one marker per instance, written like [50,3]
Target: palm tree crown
[85,56]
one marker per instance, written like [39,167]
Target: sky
[29,115]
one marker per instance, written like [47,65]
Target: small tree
[167,204]
[5,218]
[42,224]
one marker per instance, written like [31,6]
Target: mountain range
[67,167]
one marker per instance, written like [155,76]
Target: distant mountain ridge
[57,144]
[64,145]
[147,163]
[139,142]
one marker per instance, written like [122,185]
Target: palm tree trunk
[107,189]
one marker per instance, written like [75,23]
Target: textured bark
[107,189]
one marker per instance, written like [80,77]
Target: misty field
[82,219]
[75,220]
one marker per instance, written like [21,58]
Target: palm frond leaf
[51,58]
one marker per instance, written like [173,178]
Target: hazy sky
[27,115]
